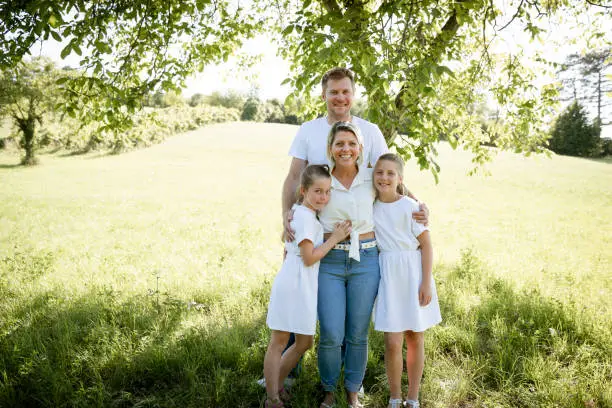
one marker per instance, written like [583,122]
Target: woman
[349,274]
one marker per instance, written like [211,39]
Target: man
[310,143]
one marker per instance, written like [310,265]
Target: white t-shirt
[310,142]
[355,204]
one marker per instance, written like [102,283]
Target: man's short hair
[336,74]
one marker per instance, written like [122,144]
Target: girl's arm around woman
[311,255]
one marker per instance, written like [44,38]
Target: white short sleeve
[304,226]
[299,146]
[379,146]
[417,228]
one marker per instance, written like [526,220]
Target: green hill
[143,278]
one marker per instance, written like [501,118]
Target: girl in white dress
[407,303]
[293,302]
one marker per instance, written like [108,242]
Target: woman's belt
[353,247]
[362,245]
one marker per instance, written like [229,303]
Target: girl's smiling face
[387,178]
[345,148]
[317,195]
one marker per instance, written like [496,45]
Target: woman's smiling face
[345,148]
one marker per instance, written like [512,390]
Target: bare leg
[415,361]
[272,362]
[293,354]
[329,400]
[394,363]
[353,399]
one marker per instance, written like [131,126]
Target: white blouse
[354,204]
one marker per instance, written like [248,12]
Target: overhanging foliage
[425,67]
[127,48]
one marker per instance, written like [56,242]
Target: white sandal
[411,404]
[395,403]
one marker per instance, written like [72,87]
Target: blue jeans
[347,290]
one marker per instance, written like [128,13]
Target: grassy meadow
[142,279]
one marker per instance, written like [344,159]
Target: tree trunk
[599,80]
[28,127]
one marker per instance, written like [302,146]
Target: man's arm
[409,194]
[288,195]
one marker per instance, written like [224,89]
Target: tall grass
[143,279]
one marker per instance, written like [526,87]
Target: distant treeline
[249,107]
[166,113]
[151,126]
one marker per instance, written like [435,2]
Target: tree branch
[518,10]
[449,30]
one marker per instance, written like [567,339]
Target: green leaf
[288,30]
[443,69]
[66,51]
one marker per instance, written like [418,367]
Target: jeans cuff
[350,387]
[328,388]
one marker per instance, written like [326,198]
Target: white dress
[293,301]
[397,304]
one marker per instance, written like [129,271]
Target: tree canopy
[128,49]
[424,65]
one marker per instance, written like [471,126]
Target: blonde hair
[349,127]
[399,163]
[308,177]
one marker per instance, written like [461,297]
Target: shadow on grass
[512,348]
[91,154]
[73,153]
[102,350]
[499,346]
[11,166]
[605,160]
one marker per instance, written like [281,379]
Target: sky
[267,75]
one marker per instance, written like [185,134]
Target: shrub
[197,99]
[151,126]
[273,111]
[253,110]
[572,134]
[230,99]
